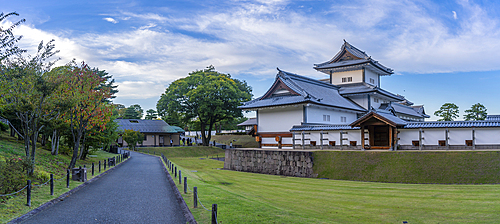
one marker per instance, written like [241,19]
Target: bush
[4,127]
[41,176]
[13,174]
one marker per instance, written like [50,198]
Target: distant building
[156,132]
[250,125]
[350,110]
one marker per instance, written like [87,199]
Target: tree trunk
[57,149]
[53,142]
[76,146]
[203,135]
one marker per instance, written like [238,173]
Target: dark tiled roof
[249,122]
[357,53]
[147,126]
[322,127]
[453,124]
[362,88]
[402,109]
[493,117]
[309,90]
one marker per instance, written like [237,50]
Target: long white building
[350,110]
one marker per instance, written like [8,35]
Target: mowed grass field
[258,198]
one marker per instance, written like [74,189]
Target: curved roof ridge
[310,80]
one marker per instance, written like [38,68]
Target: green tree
[447,112]
[8,41]
[133,112]
[477,112]
[207,96]
[132,138]
[151,114]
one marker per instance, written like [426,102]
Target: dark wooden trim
[269,145]
[278,84]
[380,147]
[274,134]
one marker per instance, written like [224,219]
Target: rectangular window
[375,100]
[347,79]
[343,119]
[372,81]
[145,137]
[326,117]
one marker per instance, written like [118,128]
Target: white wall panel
[279,119]
[315,115]
[357,76]
[487,136]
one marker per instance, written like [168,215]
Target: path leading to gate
[135,192]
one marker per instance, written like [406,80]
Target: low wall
[287,163]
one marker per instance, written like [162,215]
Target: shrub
[4,127]
[13,174]
[41,175]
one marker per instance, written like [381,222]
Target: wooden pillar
[473,138]
[390,138]
[279,142]
[321,139]
[303,141]
[420,139]
[293,140]
[363,138]
[446,137]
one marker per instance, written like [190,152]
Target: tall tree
[8,41]
[131,113]
[132,138]
[88,94]
[477,112]
[26,91]
[447,112]
[151,114]
[206,95]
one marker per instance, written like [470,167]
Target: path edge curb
[187,213]
[62,196]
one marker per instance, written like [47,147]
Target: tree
[88,94]
[8,41]
[133,112]
[477,112]
[27,92]
[207,96]
[448,112]
[151,114]
[132,138]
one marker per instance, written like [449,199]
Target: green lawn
[246,141]
[258,198]
[15,206]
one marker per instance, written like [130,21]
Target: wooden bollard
[104,165]
[214,213]
[51,184]
[175,173]
[185,185]
[99,166]
[180,178]
[28,203]
[67,178]
[195,195]
[92,169]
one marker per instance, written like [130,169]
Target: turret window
[372,81]
[343,119]
[347,79]
[326,117]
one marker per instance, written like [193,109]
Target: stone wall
[287,163]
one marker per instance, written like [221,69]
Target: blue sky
[441,51]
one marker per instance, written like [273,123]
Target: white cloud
[111,20]
[140,89]
[454,15]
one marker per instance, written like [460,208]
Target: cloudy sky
[441,51]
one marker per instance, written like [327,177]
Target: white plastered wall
[360,100]
[487,136]
[406,136]
[279,119]
[369,74]
[357,76]
[352,135]
[457,136]
[315,115]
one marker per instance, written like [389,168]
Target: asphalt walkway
[135,192]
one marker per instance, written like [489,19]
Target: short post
[154,153]
[185,185]
[51,184]
[180,182]
[99,166]
[172,169]
[214,213]
[29,194]
[67,178]
[104,165]
[175,173]
[92,169]
[195,195]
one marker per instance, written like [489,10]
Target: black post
[185,185]
[175,173]
[29,194]
[195,194]
[67,178]
[214,213]
[154,153]
[99,166]
[92,169]
[104,165]
[172,169]
[180,178]
[51,184]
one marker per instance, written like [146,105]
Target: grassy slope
[16,206]
[246,141]
[410,167]
[258,198]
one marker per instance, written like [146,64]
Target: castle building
[350,110]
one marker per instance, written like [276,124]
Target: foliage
[477,112]
[447,112]
[13,174]
[132,138]
[151,114]
[173,120]
[8,41]
[4,127]
[133,112]
[206,95]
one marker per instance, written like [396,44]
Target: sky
[441,51]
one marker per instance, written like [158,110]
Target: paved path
[135,192]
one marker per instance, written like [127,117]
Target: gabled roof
[323,127]
[363,88]
[382,115]
[305,90]
[249,122]
[147,126]
[454,124]
[402,109]
[349,56]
